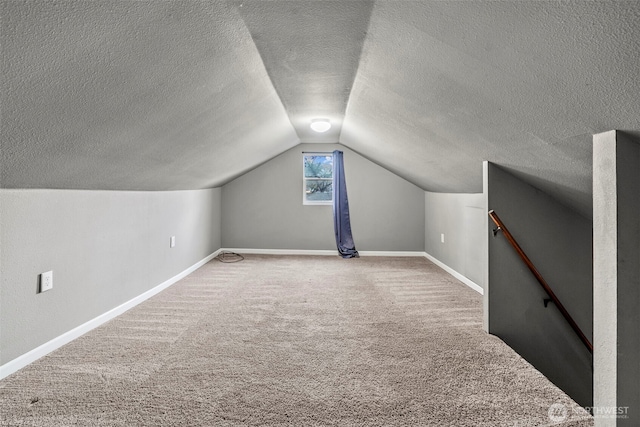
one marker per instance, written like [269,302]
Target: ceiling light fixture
[320,125]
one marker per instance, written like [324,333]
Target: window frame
[305,201]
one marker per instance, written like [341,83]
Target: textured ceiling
[134,95]
[311,50]
[154,95]
[444,85]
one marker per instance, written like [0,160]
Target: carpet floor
[292,341]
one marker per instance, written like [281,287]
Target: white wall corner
[470,283]
[485,299]
[605,280]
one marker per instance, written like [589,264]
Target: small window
[317,179]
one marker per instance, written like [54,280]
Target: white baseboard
[455,274]
[46,348]
[331,252]
[323,252]
[392,253]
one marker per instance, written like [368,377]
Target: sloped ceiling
[155,95]
[444,85]
[134,95]
[311,50]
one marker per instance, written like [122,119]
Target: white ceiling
[157,95]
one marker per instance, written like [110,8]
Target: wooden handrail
[541,280]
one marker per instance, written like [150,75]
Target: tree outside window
[317,179]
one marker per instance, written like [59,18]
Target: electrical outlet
[172,241]
[442,237]
[46,281]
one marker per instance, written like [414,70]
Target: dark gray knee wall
[558,241]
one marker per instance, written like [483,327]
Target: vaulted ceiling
[166,95]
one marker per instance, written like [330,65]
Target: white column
[605,273]
[616,264]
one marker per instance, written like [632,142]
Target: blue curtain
[341,221]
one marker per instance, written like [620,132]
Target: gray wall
[461,218]
[558,242]
[104,247]
[263,209]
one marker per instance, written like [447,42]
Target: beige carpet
[297,341]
